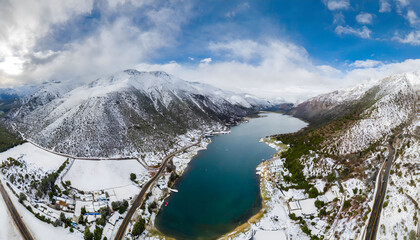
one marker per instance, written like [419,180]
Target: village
[43,184]
[84,197]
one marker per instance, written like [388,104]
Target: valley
[210,120]
[330,179]
[339,176]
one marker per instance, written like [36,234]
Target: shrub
[305,229]
[133,176]
[83,211]
[138,227]
[97,233]
[322,212]
[313,192]
[346,204]
[331,177]
[87,234]
[412,235]
[120,206]
[152,206]
[319,204]
[22,197]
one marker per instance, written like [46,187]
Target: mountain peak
[129,105]
[131,71]
[154,73]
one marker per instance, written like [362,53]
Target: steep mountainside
[327,173]
[362,115]
[128,112]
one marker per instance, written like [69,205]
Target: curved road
[372,227]
[26,235]
[139,199]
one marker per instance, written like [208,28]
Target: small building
[61,201]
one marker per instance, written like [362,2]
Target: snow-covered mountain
[126,112]
[331,168]
[375,108]
[11,97]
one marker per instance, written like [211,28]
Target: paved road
[139,199]
[373,223]
[26,235]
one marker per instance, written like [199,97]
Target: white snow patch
[96,175]
[34,156]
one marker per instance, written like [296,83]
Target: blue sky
[308,23]
[285,49]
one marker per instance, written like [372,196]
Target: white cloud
[382,70]
[339,19]
[412,38]
[366,63]
[363,32]
[384,6]
[206,61]
[337,4]
[272,68]
[364,18]
[23,22]
[239,9]
[11,65]
[116,44]
[244,49]
[116,3]
[403,3]
[285,71]
[412,17]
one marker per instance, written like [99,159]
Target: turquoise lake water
[220,188]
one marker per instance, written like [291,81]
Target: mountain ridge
[127,112]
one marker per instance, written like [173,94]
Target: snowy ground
[96,175]
[34,156]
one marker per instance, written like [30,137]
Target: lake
[219,190]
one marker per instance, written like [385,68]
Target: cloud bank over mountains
[82,40]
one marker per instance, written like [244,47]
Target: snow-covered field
[34,156]
[97,175]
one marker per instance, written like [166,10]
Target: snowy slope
[380,105]
[394,105]
[127,112]
[354,127]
